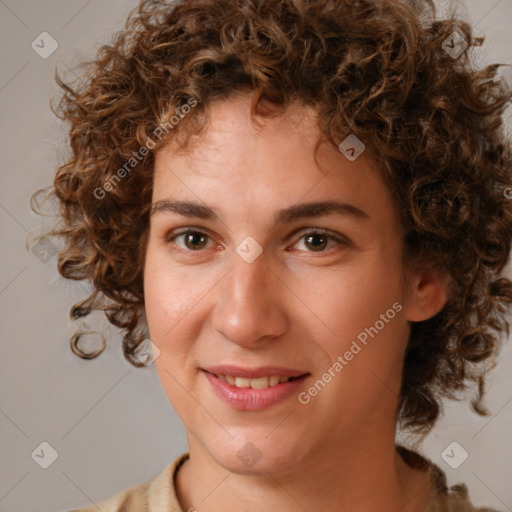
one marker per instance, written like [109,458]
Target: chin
[257,454]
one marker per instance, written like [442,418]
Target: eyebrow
[290,214]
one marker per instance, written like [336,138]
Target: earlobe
[428,293]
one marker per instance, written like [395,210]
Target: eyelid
[341,240]
[189,229]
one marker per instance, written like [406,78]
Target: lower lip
[248,399]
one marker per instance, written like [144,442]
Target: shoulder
[453,499]
[132,499]
[459,498]
[150,496]
[442,498]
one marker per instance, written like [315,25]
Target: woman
[305,204]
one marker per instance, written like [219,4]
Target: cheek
[158,301]
[352,301]
[168,295]
[171,295]
[166,305]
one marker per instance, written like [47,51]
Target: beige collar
[162,490]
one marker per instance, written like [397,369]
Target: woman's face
[236,277]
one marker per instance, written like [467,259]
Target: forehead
[229,127]
[252,167]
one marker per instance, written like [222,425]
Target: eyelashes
[322,235]
[196,242]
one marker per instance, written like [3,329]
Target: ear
[427,294]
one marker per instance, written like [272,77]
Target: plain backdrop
[108,424]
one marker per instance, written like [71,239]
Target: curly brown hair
[378,69]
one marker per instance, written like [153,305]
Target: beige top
[159,494]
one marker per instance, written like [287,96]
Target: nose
[250,308]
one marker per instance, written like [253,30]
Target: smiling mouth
[256,383]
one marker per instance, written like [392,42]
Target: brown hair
[376,69]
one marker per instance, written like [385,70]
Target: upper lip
[254,373]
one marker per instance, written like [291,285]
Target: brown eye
[321,241]
[195,240]
[317,242]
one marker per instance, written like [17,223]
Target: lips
[254,388]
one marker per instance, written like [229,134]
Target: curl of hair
[373,68]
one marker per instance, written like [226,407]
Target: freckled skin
[292,306]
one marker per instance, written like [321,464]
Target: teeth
[259,383]
[273,380]
[240,382]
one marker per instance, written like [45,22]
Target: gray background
[111,424]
